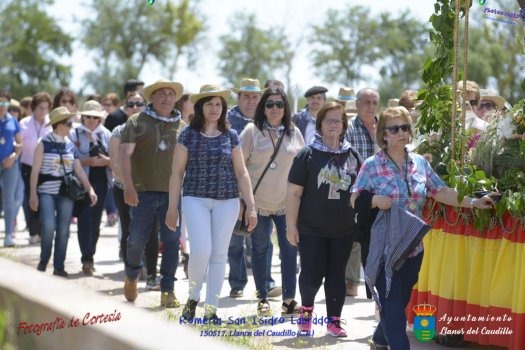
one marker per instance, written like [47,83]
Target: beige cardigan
[257,148]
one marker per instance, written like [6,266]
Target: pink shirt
[31,132]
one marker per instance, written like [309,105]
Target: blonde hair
[389,114]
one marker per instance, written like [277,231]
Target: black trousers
[33,218]
[152,247]
[324,258]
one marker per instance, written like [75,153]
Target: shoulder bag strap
[270,162]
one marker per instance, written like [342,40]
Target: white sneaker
[34,239]
[8,241]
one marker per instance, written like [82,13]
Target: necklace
[412,205]
[37,129]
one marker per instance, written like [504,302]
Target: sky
[297,17]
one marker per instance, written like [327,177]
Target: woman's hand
[172,218]
[33,202]
[381,202]
[251,218]
[93,197]
[292,234]
[485,202]
[8,162]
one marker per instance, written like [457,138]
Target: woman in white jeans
[209,157]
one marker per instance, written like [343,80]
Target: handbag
[241,227]
[71,186]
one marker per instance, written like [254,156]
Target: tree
[125,35]
[30,43]
[344,44]
[253,52]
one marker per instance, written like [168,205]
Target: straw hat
[163,83]
[59,114]
[393,102]
[249,85]
[14,103]
[490,95]
[346,94]
[210,90]
[94,109]
[351,109]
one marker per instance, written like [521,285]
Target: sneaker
[304,321]
[34,239]
[87,268]
[152,283]
[112,220]
[9,242]
[130,289]
[169,300]
[351,289]
[61,273]
[41,267]
[236,293]
[275,292]
[334,328]
[212,319]
[374,346]
[189,309]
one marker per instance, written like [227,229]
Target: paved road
[358,312]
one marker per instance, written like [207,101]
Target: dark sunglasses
[135,104]
[473,102]
[90,117]
[67,123]
[394,129]
[487,106]
[271,104]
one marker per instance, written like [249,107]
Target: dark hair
[331,106]
[6,94]
[94,97]
[131,85]
[198,118]
[133,95]
[113,98]
[63,92]
[39,98]
[259,117]
[180,102]
[273,83]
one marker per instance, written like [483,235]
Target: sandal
[263,308]
[289,309]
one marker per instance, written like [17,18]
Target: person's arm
[178,168]
[38,157]
[8,162]
[245,185]
[114,150]
[131,197]
[293,202]
[79,172]
[449,196]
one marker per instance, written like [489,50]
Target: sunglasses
[5,104]
[487,106]
[394,129]
[90,117]
[135,104]
[68,123]
[271,104]
[473,102]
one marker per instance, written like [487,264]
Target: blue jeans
[152,204]
[391,329]
[261,256]
[55,215]
[12,197]
[89,219]
[238,277]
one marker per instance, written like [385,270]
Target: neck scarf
[94,133]
[174,118]
[278,130]
[320,146]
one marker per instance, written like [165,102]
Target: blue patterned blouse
[209,172]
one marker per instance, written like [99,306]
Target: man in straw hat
[345,95]
[146,156]
[248,96]
[305,120]
[361,134]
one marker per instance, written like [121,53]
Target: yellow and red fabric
[467,274]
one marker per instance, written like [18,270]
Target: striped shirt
[359,137]
[52,171]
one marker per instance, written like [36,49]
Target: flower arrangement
[512,127]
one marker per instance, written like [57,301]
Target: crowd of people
[339,182]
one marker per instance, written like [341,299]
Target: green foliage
[250,51]
[125,35]
[30,43]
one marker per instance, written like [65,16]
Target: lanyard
[405,175]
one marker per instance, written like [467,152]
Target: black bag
[71,185]
[241,227]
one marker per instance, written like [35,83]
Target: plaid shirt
[381,176]
[358,136]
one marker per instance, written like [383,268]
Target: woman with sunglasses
[272,131]
[54,156]
[318,218]
[395,176]
[92,141]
